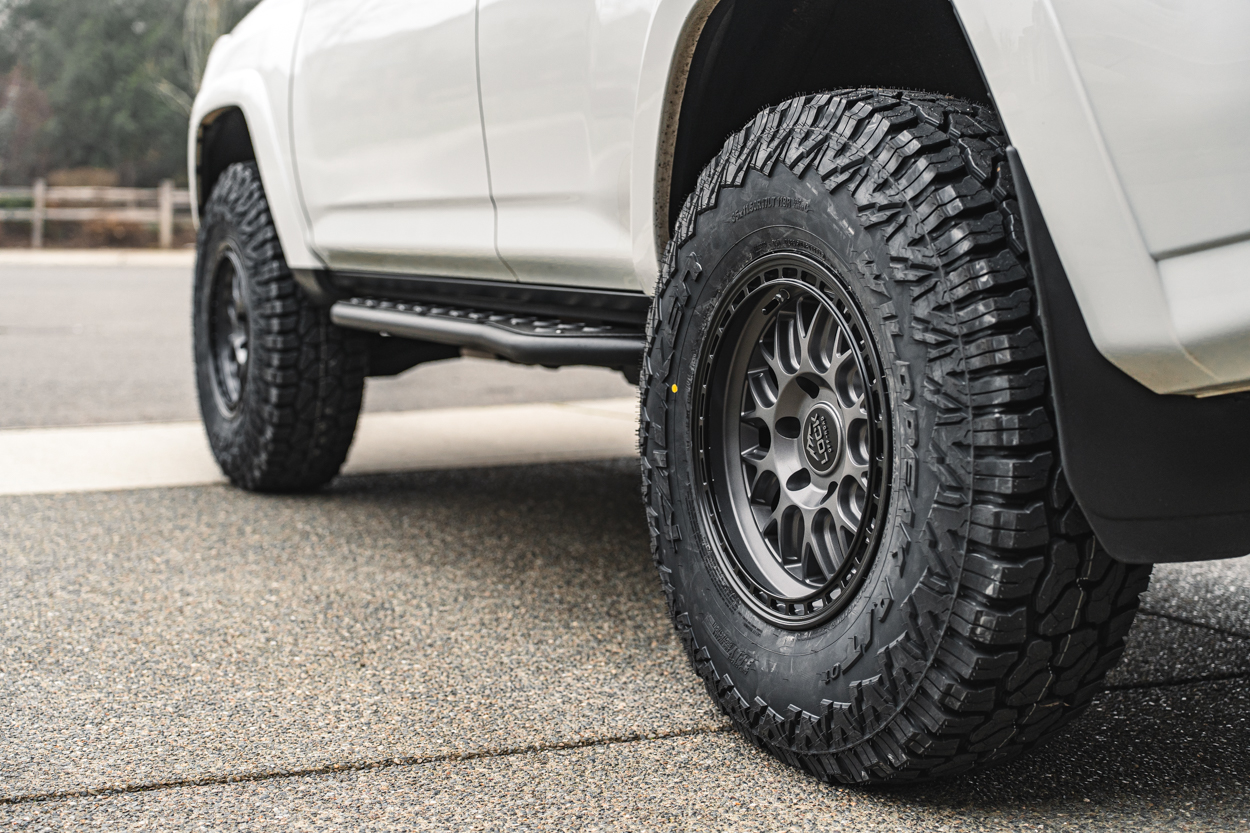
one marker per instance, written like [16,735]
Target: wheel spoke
[236,315]
[230,331]
[856,404]
[846,380]
[762,393]
[763,463]
[842,347]
[845,536]
[774,515]
[821,340]
[238,343]
[852,468]
[773,523]
[837,546]
[785,530]
[819,559]
[787,346]
[849,503]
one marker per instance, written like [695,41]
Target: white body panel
[1169,85]
[1209,296]
[559,79]
[388,138]
[1129,115]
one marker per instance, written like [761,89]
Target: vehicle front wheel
[279,385]
[852,481]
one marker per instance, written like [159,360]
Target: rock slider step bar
[520,338]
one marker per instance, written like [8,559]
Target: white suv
[939,311]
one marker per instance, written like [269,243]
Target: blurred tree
[103,83]
[23,111]
[204,22]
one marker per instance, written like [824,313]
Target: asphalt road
[460,649]
[105,345]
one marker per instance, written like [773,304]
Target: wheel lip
[229,406]
[796,613]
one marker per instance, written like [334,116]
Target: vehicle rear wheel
[279,385]
[852,482]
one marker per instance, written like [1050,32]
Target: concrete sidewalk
[488,649]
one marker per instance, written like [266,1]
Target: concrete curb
[144,456]
[129,258]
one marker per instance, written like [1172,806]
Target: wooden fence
[79,204]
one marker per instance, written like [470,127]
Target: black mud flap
[1160,477]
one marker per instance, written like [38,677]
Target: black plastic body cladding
[1160,478]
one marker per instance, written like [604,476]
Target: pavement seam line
[1212,678]
[1181,620]
[363,766]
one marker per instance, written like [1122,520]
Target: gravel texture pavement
[187,633]
[468,625]
[1206,592]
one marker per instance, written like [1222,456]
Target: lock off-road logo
[818,450]
[820,444]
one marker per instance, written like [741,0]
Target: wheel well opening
[755,53]
[223,140]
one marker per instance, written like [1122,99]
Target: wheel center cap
[820,438]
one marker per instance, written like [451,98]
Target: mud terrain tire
[971,614]
[279,385]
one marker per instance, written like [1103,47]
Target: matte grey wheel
[795,441]
[229,330]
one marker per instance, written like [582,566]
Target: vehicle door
[388,138]
[558,84]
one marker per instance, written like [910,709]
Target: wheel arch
[222,139]
[242,113]
[232,122]
[728,59]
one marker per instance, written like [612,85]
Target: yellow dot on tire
[674,389]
